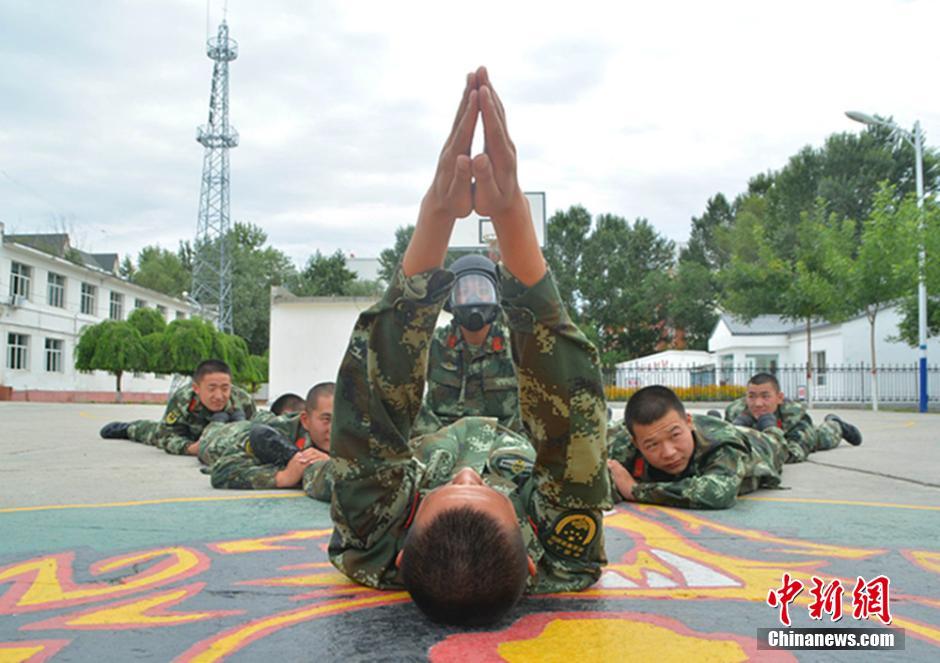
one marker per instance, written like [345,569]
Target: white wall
[309,336]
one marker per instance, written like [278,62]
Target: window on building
[89,299]
[56,292]
[180,315]
[54,355]
[18,351]
[726,375]
[20,276]
[117,306]
[819,368]
[140,303]
[161,310]
[762,363]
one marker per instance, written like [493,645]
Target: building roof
[766,325]
[57,244]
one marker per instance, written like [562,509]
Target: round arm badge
[571,534]
[171,417]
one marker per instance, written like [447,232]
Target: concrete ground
[113,551]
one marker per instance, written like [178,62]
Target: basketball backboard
[476,232]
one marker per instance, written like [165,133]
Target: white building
[309,336]
[49,291]
[841,355]
[655,368]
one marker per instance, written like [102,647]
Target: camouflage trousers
[812,439]
[145,432]
[218,440]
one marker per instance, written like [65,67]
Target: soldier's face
[466,488]
[214,390]
[318,422]
[667,443]
[763,399]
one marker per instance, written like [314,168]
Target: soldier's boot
[715,413]
[744,419]
[766,421]
[116,430]
[850,433]
[270,446]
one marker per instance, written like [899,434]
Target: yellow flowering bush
[711,392]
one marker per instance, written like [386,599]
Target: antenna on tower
[212,268]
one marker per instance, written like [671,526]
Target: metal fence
[831,384]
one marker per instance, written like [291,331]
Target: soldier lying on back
[209,398]
[666,456]
[470,517]
[283,452]
[803,438]
[470,369]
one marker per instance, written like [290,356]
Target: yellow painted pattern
[47,586]
[145,613]
[807,500]
[218,648]
[268,543]
[168,500]
[928,560]
[566,640]
[15,654]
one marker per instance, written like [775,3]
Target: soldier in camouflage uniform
[469,517]
[693,461]
[470,370]
[283,452]
[803,438]
[209,398]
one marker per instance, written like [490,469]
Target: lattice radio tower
[212,268]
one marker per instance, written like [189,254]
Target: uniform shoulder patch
[171,417]
[571,534]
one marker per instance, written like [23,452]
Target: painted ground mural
[680,585]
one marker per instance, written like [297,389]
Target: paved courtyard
[112,551]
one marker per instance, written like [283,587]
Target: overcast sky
[643,109]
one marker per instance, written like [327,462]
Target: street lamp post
[916,139]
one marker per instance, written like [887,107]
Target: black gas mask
[474,301]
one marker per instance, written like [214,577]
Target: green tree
[163,271]
[624,280]
[186,343]
[566,236]
[799,281]
[255,268]
[390,259]
[114,346]
[147,320]
[325,276]
[884,268]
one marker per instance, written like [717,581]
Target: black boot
[270,446]
[715,413]
[850,433]
[116,430]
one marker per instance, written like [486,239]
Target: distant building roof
[57,244]
[766,325]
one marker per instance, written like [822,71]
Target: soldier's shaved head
[210,366]
[650,404]
[287,404]
[465,567]
[316,391]
[765,378]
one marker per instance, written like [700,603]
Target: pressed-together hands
[487,183]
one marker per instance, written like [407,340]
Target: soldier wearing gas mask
[470,369]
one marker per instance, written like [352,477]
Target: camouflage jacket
[728,461]
[468,381]
[792,418]
[186,417]
[379,478]
[234,467]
